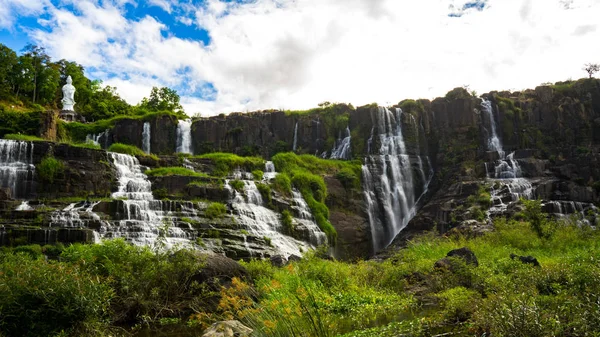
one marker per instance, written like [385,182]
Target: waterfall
[312,232]
[493,141]
[262,222]
[184,136]
[100,139]
[269,171]
[146,138]
[389,188]
[24,206]
[142,217]
[507,171]
[16,166]
[341,149]
[295,137]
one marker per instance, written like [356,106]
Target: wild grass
[174,171]
[226,162]
[27,138]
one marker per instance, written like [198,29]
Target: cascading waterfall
[295,145]
[143,219]
[341,149]
[184,136]
[146,138]
[99,139]
[263,222]
[269,171]
[16,166]
[389,188]
[509,186]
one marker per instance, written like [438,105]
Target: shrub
[348,178]
[126,149]
[282,183]
[265,192]
[47,298]
[238,185]
[258,174]
[173,171]
[49,169]
[215,210]
[26,138]
[227,162]
[286,220]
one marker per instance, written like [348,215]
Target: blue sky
[224,56]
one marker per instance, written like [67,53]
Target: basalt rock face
[163,133]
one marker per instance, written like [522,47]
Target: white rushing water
[269,171]
[143,218]
[184,136]
[341,149]
[260,221]
[507,178]
[295,144]
[16,168]
[389,187]
[100,139]
[146,138]
[24,206]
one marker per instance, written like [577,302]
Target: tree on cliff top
[163,99]
[591,68]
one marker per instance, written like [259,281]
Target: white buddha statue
[68,100]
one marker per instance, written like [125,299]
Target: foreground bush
[39,298]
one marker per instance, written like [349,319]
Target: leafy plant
[49,169]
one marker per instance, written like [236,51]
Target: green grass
[305,172]
[131,150]
[49,169]
[226,162]
[174,171]
[27,138]
[215,210]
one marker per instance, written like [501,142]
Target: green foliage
[26,138]
[458,93]
[533,213]
[282,184]
[227,162]
[49,169]
[258,174]
[19,122]
[40,298]
[173,171]
[348,178]
[215,210]
[286,220]
[163,99]
[265,192]
[126,149]
[238,185]
[147,285]
[411,106]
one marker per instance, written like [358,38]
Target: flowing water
[100,139]
[184,136]
[388,178]
[146,138]
[262,222]
[295,144]
[341,149]
[508,184]
[16,166]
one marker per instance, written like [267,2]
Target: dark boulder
[219,270]
[526,259]
[5,194]
[278,261]
[466,254]
[294,258]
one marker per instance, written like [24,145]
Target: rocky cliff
[424,165]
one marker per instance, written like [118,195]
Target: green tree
[163,99]
[105,103]
[8,61]
[39,61]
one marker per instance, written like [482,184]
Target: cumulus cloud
[10,10]
[295,54]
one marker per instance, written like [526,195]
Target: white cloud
[295,54]
[10,10]
[165,5]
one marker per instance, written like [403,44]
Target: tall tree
[8,61]
[163,99]
[39,61]
[591,68]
